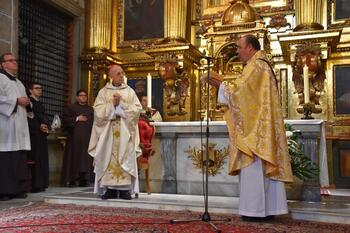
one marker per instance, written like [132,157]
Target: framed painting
[341,94]
[140,20]
[338,13]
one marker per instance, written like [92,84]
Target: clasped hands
[23,101]
[44,128]
[116,99]
[215,79]
[82,117]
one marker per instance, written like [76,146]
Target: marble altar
[172,171]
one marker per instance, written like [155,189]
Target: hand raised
[215,79]
[44,128]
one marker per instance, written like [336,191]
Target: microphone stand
[205,217]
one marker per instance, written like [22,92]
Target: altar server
[14,132]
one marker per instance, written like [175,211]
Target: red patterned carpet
[43,217]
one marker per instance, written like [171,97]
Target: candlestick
[149,90]
[125,80]
[306,84]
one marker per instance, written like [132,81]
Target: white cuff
[221,97]
[119,111]
[30,115]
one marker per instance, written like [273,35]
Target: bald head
[116,73]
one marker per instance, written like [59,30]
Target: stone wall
[8,26]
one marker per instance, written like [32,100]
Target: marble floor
[333,209]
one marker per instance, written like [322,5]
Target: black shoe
[71,184]
[269,218]
[124,194]
[38,190]
[5,198]
[110,194]
[83,183]
[258,219]
[250,219]
[21,196]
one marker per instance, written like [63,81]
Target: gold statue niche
[220,39]
[176,84]
[310,56]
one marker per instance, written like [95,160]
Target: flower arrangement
[302,166]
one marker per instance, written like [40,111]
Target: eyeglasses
[10,60]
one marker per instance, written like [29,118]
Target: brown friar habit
[77,163]
[39,151]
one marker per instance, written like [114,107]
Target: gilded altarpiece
[338,17]
[166,42]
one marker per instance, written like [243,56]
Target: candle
[306,84]
[149,90]
[125,80]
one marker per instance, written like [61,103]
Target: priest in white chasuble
[258,144]
[114,142]
[14,131]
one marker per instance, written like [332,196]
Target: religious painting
[342,89]
[140,87]
[143,19]
[338,13]
[342,9]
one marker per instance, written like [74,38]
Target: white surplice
[14,131]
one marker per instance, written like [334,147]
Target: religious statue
[309,56]
[175,86]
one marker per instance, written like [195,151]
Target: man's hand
[44,128]
[23,101]
[215,79]
[81,117]
[116,99]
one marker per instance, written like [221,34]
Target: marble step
[331,212]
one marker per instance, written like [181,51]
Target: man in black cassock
[77,163]
[38,129]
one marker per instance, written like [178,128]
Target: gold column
[175,12]
[308,15]
[114,26]
[99,23]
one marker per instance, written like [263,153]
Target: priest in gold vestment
[114,142]
[258,144]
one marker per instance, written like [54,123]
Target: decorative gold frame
[332,22]
[262,6]
[335,91]
[331,90]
